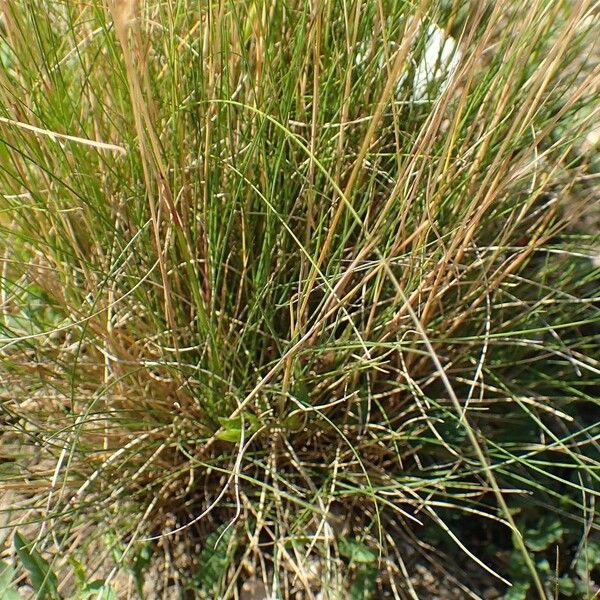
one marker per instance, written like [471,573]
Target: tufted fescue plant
[300,291]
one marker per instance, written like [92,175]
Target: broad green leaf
[518,591]
[300,392]
[364,584]
[214,558]
[7,591]
[79,570]
[588,560]
[517,567]
[6,575]
[230,435]
[235,423]
[138,566]
[548,531]
[97,590]
[356,551]
[116,548]
[43,580]
[142,558]
[251,422]
[567,587]
[293,422]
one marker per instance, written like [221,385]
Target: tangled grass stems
[301,295]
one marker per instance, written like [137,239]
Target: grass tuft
[300,298]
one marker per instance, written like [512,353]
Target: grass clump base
[299,298]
